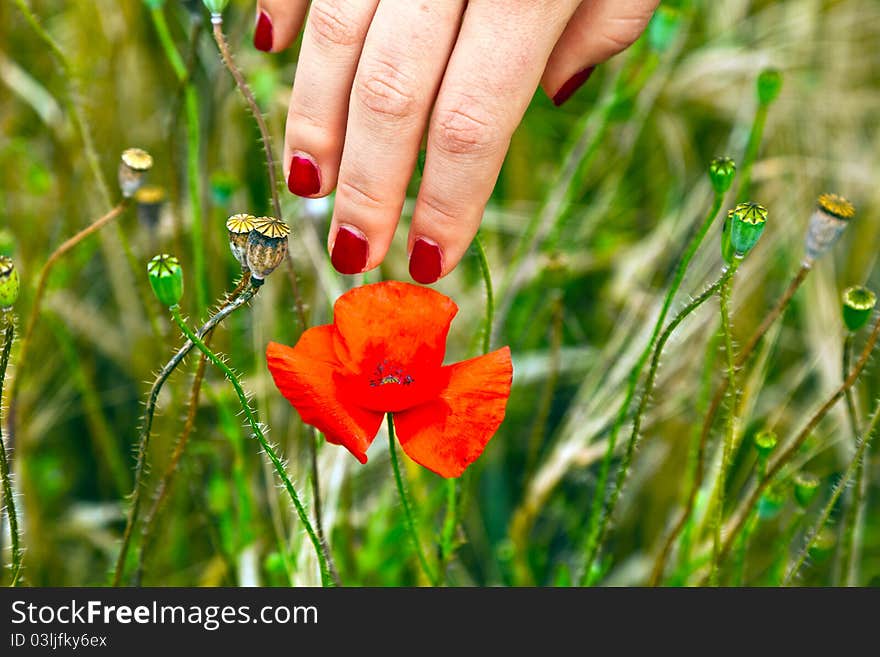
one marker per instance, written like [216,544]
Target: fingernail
[263,32]
[424,261]
[304,178]
[574,83]
[350,251]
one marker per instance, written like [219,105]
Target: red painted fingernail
[424,261]
[263,32]
[304,178]
[350,251]
[574,83]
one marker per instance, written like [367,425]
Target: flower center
[387,373]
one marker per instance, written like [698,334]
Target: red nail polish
[304,178]
[263,32]
[424,261]
[350,251]
[574,83]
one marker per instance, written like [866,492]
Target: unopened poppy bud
[806,485]
[267,246]
[166,279]
[743,228]
[149,200]
[765,442]
[133,168]
[10,285]
[769,84]
[832,214]
[239,227]
[663,28]
[721,172]
[858,302]
[216,6]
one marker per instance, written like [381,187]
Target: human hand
[374,75]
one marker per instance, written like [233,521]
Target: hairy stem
[8,337]
[146,426]
[411,525]
[598,511]
[854,465]
[323,558]
[533,446]
[490,294]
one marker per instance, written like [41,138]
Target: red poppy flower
[384,353]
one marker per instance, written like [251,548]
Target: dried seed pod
[10,284]
[832,214]
[267,246]
[149,200]
[743,228]
[239,227]
[858,302]
[133,167]
[722,170]
[166,279]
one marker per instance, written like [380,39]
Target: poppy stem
[258,432]
[817,527]
[490,294]
[407,507]
[8,496]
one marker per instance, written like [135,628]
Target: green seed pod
[722,171]
[743,227]
[806,485]
[765,442]
[10,285]
[239,227]
[770,503]
[858,302]
[831,216]
[166,279]
[768,86]
[663,28]
[216,6]
[149,200]
[133,168]
[267,246]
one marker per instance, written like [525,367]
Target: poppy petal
[450,433]
[392,322]
[307,375]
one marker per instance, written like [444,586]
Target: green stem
[817,527]
[598,509]
[730,431]
[450,522]
[147,424]
[8,496]
[739,572]
[407,507]
[633,441]
[193,168]
[323,558]
[751,153]
[490,294]
[536,436]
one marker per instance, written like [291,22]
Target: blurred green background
[576,304]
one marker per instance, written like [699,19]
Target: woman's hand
[374,74]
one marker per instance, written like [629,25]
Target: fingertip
[304,175]
[425,261]
[263,31]
[349,250]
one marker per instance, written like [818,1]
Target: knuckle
[331,26]
[358,194]
[465,127]
[621,31]
[441,211]
[385,89]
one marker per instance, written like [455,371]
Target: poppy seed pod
[858,302]
[166,279]
[721,172]
[743,228]
[806,486]
[765,442]
[216,6]
[831,216]
[769,85]
[239,227]
[149,200]
[10,285]
[266,246]
[133,167]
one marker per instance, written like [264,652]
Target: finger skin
[491,77]
[598,30]
[332,41]
[277,22]
[399,73]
